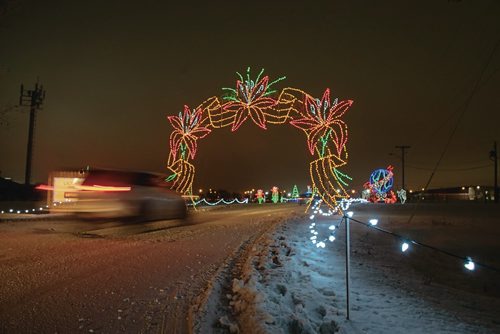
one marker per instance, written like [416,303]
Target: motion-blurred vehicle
[140,196]
[305,198]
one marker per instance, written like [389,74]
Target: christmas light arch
[319,119]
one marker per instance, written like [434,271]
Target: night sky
[114,71]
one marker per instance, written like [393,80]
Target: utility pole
[34,98]
[403,148]
[494,157]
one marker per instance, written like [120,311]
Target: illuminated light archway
[319,119]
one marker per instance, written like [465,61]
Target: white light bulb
[313,224]
[469,264]
[11,210]
[331,238]
[373,222]
[321,244]
[404,246]
[314,241]
[350,214]
[313,237]
[311,217]
[332,227]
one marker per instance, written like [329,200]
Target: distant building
[13,191]
[454,194]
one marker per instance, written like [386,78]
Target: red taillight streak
[79,187]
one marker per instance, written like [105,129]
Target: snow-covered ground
[288,285]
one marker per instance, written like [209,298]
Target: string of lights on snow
[221,201]
[342,208]
[255,99]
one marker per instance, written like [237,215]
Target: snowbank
[288,285]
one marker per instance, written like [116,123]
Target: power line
[403,148]
[450,169]
[466,105]
[34,98]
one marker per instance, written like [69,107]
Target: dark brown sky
[114,70]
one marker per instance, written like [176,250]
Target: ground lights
[405,243]
[255,99]
[223,201]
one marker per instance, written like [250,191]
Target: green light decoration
[260,196]
[324,143]
[171,177]
[295,192]
[340,176]
[246,88]
[183,151]
[275,194]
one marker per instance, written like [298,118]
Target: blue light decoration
[380,186]
[221,201]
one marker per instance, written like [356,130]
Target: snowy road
[251,269]
[66,276]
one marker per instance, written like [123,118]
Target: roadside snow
[288,285]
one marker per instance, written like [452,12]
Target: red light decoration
[95,187]
[250,101]
[187,130]
[321,121]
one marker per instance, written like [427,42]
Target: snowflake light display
[319,119]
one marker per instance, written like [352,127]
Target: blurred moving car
[305,198]
[141,196]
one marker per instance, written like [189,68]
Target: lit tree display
[295,192]
[319,119]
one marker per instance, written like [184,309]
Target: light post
[494,157]
[403,148]
[347,215]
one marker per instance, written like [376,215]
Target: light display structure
[380,186]
[261,196]
[319,119]
[275,194]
